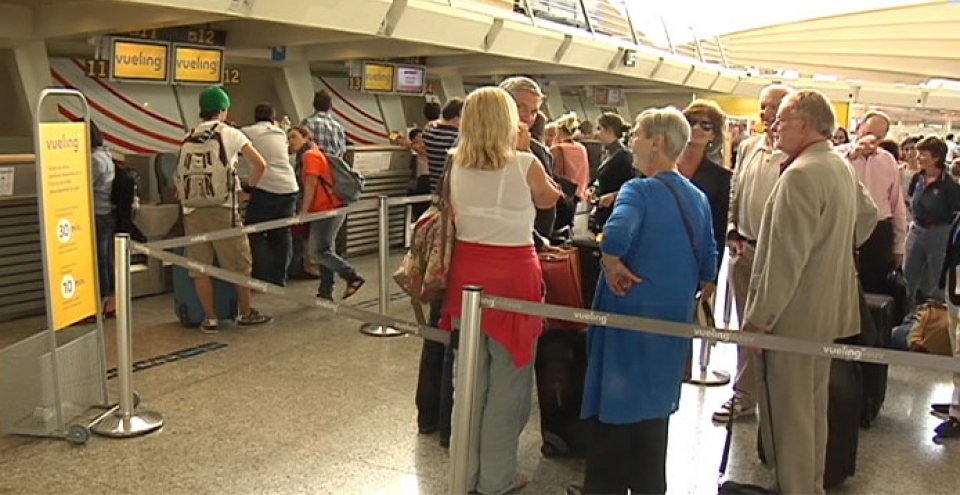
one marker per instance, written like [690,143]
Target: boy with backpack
[207,186]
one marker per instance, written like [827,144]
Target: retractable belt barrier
[753,340]
[365,205]
[422,331]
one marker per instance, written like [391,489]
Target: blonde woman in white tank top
[495,186]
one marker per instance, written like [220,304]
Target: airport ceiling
[924,48]
[907,44]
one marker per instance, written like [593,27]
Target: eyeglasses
[781,120]
[704,124]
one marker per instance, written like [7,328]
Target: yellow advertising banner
[67,222]
[141,61]
[197,65]
[378,77]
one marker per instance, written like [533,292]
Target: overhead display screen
[378,78]
[139,61]
[197,65]
[411,80]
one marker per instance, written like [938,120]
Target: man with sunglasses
[756,172]
[880,174]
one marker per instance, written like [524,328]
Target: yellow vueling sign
[197,65]
[140,61]
[69,255]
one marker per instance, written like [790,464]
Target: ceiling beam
[92,18]
[16,22]
[256,34]
[370,48]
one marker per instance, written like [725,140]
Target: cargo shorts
[231,254]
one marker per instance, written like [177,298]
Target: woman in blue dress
[658,251]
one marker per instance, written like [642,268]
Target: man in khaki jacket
[804,282]
[757,171]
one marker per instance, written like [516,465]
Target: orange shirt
[315,163]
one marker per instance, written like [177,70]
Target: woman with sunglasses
[699,162]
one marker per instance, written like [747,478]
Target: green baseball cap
[214,99]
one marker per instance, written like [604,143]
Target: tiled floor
[309,405]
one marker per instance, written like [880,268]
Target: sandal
[254,317]
[352,287]
[210,326]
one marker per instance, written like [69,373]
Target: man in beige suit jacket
[804,282]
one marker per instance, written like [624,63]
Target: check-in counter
[387,171]
[21,262]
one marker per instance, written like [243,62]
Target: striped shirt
[327,132]
[438,140]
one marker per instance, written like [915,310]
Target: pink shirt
[572,163]
[880,174]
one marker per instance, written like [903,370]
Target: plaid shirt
[327,133]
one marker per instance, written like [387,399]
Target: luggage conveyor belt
[387,172]
[21,269]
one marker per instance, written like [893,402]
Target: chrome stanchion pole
[125,421]
[466,383]
[708,377]
[373,329]
[407,228]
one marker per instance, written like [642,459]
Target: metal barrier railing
[472,313]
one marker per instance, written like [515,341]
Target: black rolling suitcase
[881,309]
[561,368]
[843,420]
[589,266]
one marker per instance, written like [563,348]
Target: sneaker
[942,410]
[733,409]
[210,326]
[254,317]
[949,428]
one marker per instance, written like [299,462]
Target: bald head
[874,123]
[770,98]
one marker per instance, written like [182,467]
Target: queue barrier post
[125,421]
[373,329]
[466,384]
[708,377]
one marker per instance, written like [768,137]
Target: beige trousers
[745,382]
[797,395]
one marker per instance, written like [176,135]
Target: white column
[295,89]
[452,86]
[391,108]
[33,67]
[554,101]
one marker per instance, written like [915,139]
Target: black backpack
[124,194]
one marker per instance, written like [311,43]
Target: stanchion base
[710,378]
[139,423]
[379,330]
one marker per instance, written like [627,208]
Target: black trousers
[435,382]
[627,457]
[272,249]
[876,258]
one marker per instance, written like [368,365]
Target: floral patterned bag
[425,268]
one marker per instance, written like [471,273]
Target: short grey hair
[669,123]
[782,89]
[814,106]
[519,84]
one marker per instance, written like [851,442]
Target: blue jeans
[272,249]
[925,250]
[106,229]
[323,235]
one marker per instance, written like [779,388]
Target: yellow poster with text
[70,257]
